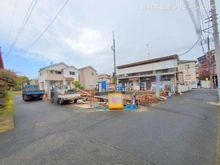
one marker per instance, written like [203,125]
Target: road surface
[179,131]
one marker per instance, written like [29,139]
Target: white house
[56,74]
[142,74]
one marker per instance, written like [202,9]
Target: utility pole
[216,41]
[113,48]
[209,58]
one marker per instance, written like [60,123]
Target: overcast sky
[82,33]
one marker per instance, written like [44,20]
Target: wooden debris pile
[147,99]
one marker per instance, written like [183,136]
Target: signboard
[115,101]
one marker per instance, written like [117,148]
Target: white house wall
[67,74]
[148,67]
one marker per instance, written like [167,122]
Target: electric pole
[113,48]
[216,41]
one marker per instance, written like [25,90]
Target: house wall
[149,67]
[66,73]
[87,80]
[191,71]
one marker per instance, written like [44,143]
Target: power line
[23,25]
[189,49]
[46,28]
[12,21]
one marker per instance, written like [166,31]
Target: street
[179,131]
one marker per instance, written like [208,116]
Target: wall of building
[148,67]
[88,78]
[66,73]
[191,71]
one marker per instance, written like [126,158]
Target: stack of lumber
[146,99]
[84,93]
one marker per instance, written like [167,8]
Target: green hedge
[7,104]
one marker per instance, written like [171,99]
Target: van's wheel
[75,100]
[60,101]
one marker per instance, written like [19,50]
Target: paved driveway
[178,131]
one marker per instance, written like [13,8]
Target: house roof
[52,66]
[87,67]
[148,61]
[186,61]
[71,67]
[104,74]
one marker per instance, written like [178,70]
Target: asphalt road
[179,131]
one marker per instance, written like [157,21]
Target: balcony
[54,77]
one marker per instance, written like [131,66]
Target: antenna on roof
[51,63]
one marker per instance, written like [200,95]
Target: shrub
[8,104]
[7,82]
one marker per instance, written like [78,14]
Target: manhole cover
[40,123]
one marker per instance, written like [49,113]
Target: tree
[20,80]
[77,84]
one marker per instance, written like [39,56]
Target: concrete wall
[149,67]
[205,84]
[184,88]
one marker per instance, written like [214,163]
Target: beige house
[186,71]
[88,77]
[56,74]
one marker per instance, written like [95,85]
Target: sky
[81,35]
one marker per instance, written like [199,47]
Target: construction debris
[144,99]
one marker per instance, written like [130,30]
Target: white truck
[62,94]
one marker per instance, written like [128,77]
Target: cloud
[89,42]
[82,33]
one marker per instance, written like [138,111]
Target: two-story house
[56,74]
[88,78]
[142,74]
[187,71]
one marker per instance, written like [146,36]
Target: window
[187,66]
[91,83]
[55,72]
[92,73]
[188,77]
[72,73]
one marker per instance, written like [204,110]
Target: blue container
[170,95]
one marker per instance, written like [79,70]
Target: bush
[7,82]
[8,104]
